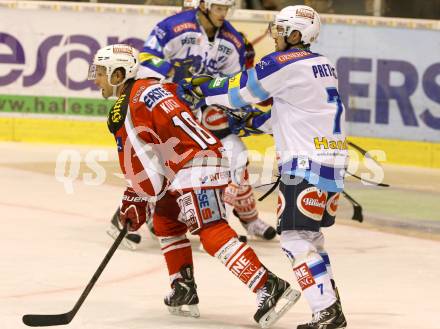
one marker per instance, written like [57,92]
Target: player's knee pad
[238,185]
[201,208]
[306,261]
[230,194]
[298,245]
[245,204]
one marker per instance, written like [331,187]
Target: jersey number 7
[194,130]
[333,97]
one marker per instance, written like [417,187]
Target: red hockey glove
[134,209]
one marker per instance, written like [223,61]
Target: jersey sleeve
[154,53]
[247,87]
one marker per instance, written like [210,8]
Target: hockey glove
[189,91]
[134,209]
[240,121]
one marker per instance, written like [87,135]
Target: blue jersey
[180,43]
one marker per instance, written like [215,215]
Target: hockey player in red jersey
[172,161]
[200,40]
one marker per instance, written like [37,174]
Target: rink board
[390,94]
[74,131]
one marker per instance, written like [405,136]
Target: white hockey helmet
[297,18]
[113,57]
[228,3]
[191,3]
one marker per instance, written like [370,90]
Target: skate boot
[184,292]
[131,240]
[259,229]
[329,318]
[270,296]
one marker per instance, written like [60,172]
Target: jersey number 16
[194,130]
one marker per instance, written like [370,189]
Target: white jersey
[307,113]
[179,42]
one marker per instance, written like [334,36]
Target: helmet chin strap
[115,89]
[209,18]
[291,45]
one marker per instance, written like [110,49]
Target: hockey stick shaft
[43,320]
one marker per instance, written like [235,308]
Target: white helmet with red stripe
[228,3]
[191,3]
[113,57]
[297,18]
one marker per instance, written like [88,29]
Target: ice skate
[260,229]
[131,240]
[276,293]
[183,294]
[329,318]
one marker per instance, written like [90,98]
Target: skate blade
[113,232]
[193,311]
[268,319]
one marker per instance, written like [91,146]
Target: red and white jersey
[160,144]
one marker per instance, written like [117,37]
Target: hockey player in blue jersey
[307,124]
[202,41]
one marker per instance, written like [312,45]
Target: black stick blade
[357,213]
[46,320]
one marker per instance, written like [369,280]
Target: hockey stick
[357,208]
[45,320]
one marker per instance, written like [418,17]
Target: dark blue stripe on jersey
[244,79]
[318,269]
[325,258]
[259,120]
[266,66]
[271,63]
[168,25]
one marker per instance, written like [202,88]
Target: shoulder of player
[228,32]
[278,60]
[179,23]
[291,56]
[140,88]
[150,93]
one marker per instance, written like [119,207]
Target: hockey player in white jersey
[307,123]
[202,41]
